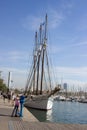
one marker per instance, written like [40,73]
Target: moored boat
[39,78]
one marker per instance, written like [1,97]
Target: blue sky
[67,38]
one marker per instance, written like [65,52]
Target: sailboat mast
[38,62]
[35,58]
[45,28]
[40,34]
[42,72]
[42,59]
[48,72]
[43,53]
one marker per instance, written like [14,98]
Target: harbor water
[63,112]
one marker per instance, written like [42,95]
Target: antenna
[45,27]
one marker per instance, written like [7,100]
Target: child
[16,106]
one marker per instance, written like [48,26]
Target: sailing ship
[39,78]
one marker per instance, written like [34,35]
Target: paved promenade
[29,122]
[7,122]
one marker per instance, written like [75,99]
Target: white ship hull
[39,102]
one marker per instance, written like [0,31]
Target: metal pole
[8,80]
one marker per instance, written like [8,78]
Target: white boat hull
[39,102]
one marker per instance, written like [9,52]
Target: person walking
[9,96]
[4,96]
[16,106]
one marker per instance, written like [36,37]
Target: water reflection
[40,115]
[63,112]
[49,115]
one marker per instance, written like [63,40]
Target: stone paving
[29,122]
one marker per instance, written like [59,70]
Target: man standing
[22,97]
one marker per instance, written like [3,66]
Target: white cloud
[18,76]
[17,55]
[55,18]
[71,75]
[82,23]
[79,71]
[67,4]
[33,22]
[14,56]
[79,44]
[56,49]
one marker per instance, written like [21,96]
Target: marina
[43,66]
[54,108]
[63,112]
[29,122]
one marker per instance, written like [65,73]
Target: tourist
[4,96]
[9,96]
[16,106]
[22,98]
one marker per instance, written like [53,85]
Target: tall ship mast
[39,77]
